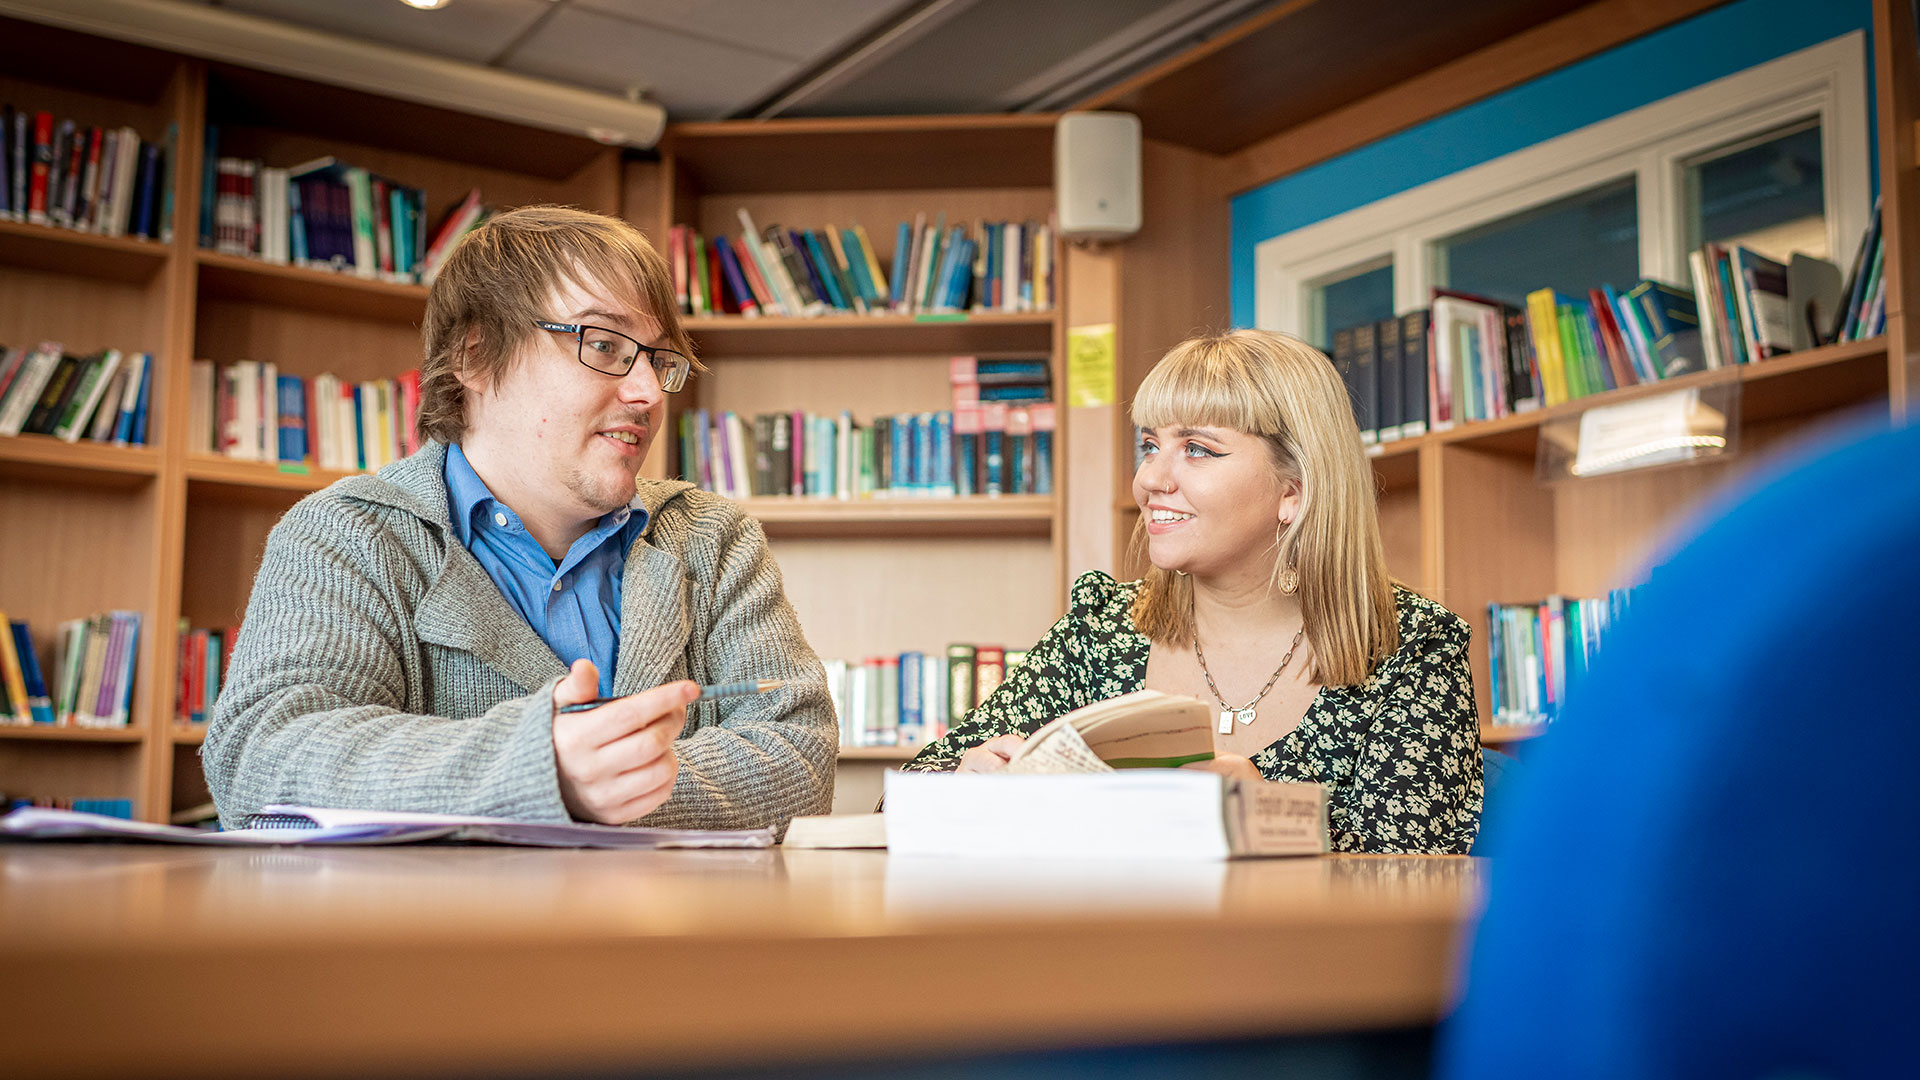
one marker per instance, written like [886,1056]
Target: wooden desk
[125,959]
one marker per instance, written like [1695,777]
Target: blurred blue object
[1499,771]
[1707,869]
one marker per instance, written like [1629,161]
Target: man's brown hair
[500,277]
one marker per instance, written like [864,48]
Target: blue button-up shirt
[575,605]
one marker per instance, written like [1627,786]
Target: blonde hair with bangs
[1287,393]
[500,278]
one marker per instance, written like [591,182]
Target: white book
[35,370]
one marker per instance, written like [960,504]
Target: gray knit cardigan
[379,666]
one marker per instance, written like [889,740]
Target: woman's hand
[1231,766]
[990,756]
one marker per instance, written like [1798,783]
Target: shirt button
[556,586]
[500,520]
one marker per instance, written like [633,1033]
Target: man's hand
[616,762]
[990,756]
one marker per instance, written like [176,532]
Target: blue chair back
[1707,868]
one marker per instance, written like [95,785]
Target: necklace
[1244,714]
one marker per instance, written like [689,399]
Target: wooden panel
[1400,534]
[86,78]
[868,597]
[1496,543]
[867,154]
[65,251]
[225,539]
[1297,61]
[56,461]
[70,769]
[858,783]
[305,342]
[1094,541]
[73,551]
[84,313]
[236,278]
[188,781]
[1896,59]
[392,137]
[1442,87]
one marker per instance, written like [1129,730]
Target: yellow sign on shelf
[1091,376]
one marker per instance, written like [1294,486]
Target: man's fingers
[581,683]
[617,719]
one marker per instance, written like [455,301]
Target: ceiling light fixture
[250,41]
[425,5]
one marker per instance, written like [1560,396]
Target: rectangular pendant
[1226,723]
[1245,716]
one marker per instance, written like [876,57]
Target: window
[1776,158]
[1364,296]
[1767,193]
[1570,245]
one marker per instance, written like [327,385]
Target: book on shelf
[936,269]
[249,410]
[108,181]
[117,807]
[21,677]
[200,670]
[101,397]
[913,698]
[91,680]
[1535,651]
[1104,781]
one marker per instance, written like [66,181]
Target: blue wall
[1688,54]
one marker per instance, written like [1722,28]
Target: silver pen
[707,693]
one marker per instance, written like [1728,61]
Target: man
[411,636]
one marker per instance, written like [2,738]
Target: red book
[755,281]
[989,670]
[1615,345]
[42,167]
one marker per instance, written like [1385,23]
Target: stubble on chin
[599,492]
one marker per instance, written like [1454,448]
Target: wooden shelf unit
[160,529]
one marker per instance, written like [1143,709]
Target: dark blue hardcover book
[146,187]
[293,418]
[1414,371]
[1496,659]
[820,265]
[1017,392]
[39,705]
[6,160]
[796,254]
[296,227]
[959,281]
[361,401]
[1043,424]
[966,451]
[993,421]
[912,709]
[209,184]
[138,437]
[1366,380]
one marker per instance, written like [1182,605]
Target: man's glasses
[614,353]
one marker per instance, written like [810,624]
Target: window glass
[1766,193]
[1362,297]
[1571,245]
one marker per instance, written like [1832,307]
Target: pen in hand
[707,693]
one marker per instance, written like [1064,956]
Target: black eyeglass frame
[678,365]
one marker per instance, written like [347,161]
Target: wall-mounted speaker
[1096,174]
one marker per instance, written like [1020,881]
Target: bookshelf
[873,577]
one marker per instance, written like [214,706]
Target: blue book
[942,437]
[138,436]
[39,704]
[293,418]
[1043,421]
[296,226]
[209,179]
[937,288]
[1496,659]
[362,399]
[900,449]
[921,478]
[703,430]
[807,267]
[820,266]
[912,709]
[966,451]
[902,255]
[857,268]
[146,191]
[1014,393]
[993,420]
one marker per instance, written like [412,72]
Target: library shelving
[875,576]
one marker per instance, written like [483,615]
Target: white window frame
[1654,144]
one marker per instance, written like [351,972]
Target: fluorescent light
[425,5]
[249,41]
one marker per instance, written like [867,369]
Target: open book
[307,825]
[1099,782]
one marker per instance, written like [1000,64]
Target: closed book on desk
[1133,814]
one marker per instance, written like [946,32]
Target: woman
[1268,596]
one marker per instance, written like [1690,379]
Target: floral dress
[1399,753]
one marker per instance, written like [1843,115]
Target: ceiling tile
[694,78]
[799,29]
[472,30]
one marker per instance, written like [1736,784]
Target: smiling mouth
[1168,517]
[631,438]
